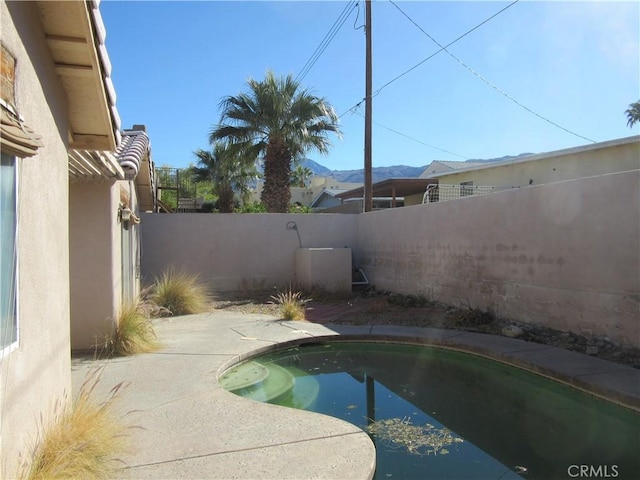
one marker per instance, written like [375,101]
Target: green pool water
[440,414]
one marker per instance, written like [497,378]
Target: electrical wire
[333,31]
[420,141]
[502,92]
[415,139]
[377,92]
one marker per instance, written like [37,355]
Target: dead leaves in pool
[416,439]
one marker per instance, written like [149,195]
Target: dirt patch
[382,308]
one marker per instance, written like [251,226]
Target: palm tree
[633,114]
[227,170]
[281,121]
[300,176]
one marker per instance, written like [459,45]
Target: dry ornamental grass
[134,332]
[181,293]
[83,441]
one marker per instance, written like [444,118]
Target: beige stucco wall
[324,269]
[615,156]
[564,254]
[238,251]
[94,250]
[37,373]
[96,282]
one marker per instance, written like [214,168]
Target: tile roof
[132,151]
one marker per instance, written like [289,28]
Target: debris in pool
[415,439]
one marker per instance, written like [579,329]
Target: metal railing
[175,190]
[443,192]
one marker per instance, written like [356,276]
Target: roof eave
[75,35]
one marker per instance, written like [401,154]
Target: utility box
[327,269]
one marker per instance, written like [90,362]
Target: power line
[441,47]
[420,141]
[354,110]
[377,92]
[502,92]
[333,31]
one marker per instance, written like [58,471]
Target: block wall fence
[565,255]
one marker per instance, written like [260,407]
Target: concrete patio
[190,427]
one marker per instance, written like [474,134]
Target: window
[466,189]
[8,250]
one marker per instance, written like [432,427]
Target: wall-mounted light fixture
[125,214]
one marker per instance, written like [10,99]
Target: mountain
[378,173]
[384,173]
[357,176]
[316,168]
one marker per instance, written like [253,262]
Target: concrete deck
[190,427]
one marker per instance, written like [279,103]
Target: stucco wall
[565,254]
[37,373]
[96,259]
[94,250]
[615,156]
[237,251]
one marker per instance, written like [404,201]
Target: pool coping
[610,381]
[192,428]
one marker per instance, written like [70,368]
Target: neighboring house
[68,180]
[310,196]
[389,193]
[326,199]
[442,166]
[612,156]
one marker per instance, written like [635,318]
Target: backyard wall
[564,254]
[235,252]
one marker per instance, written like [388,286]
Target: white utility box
[327,269]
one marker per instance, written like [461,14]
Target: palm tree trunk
[277,173]
[225,199]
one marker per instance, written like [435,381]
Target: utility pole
[368,180]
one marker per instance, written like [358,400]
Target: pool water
[440,414]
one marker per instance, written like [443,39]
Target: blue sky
[577,64]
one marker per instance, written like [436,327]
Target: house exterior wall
[305,196]
[610,157]
[563,255]
[352,206]
[96,259]
[415,199]
[94,250]
[234,252]
[301,195]
[36,374]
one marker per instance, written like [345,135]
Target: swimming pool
[437,413]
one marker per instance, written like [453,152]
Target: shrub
[292,304]
[181,293]
[134,332]
[83,440]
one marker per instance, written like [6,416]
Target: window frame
[10,347]
[466,188]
